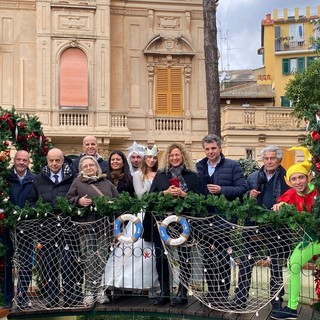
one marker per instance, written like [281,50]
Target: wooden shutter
[301,64]
[162,94]
[74,78]
[169,91]
[284,102]
[176,91]
[309,61]
[285,66]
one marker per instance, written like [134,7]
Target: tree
[304,91]
[212,66]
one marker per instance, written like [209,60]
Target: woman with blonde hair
[176,177]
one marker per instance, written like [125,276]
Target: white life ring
[183,236]
[136,222]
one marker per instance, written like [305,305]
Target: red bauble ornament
[315,135]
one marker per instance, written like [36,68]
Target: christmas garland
[21,133]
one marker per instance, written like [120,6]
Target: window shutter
[301,64]
[74,76]
[169,91]
[277,32]
[285,66]
[309,61]
[176,91]
[162,91]
[285,102]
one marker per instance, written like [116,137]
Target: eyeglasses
[270,158]
[90,165]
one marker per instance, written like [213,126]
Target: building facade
[126,70]
[120,70]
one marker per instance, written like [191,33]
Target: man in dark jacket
[218,176]
[20,184]
[265,185]
[55,180]
[90,148]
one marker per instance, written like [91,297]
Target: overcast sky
[239,23]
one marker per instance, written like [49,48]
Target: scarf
[116,178]
[91,179]
[176,173]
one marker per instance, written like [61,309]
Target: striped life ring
[136,222]
[183,236]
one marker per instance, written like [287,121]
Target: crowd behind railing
[85,249]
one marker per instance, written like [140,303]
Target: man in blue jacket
[218,176]
[265,185]
[20,184]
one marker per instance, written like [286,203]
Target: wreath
[20,133]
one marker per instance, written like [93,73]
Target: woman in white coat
[132,266]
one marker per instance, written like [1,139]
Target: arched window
[74,79]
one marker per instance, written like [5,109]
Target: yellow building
[287,46]
[257,114]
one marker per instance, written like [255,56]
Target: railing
[119,121]
[73,119]
[268,118]
[168,124]
[287,44]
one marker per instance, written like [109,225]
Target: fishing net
[61,263]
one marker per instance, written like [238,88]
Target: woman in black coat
[176,164]
[118,172]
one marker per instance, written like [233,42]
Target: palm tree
[212,66]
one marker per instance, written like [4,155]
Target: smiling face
[212,151]
[89,168]
[299,182]
[21,162]
[150,161]
[175,157]
[90,146]
[116,162]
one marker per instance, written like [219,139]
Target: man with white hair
[135,156]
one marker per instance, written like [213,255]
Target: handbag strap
[97,189]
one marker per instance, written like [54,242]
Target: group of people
[89,175]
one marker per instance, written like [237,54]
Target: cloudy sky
[239,25]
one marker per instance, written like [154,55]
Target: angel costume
[132,266]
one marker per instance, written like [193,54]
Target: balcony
[290,44]
[259,118]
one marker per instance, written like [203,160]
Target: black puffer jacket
[161,183]
[43,187]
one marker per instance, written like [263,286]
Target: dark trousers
[60,252]
[162,264]
[213,237]
[8,287]
[25,247]
[277,245]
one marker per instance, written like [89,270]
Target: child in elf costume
[302,195]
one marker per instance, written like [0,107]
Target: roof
[237,75]
[248,90]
